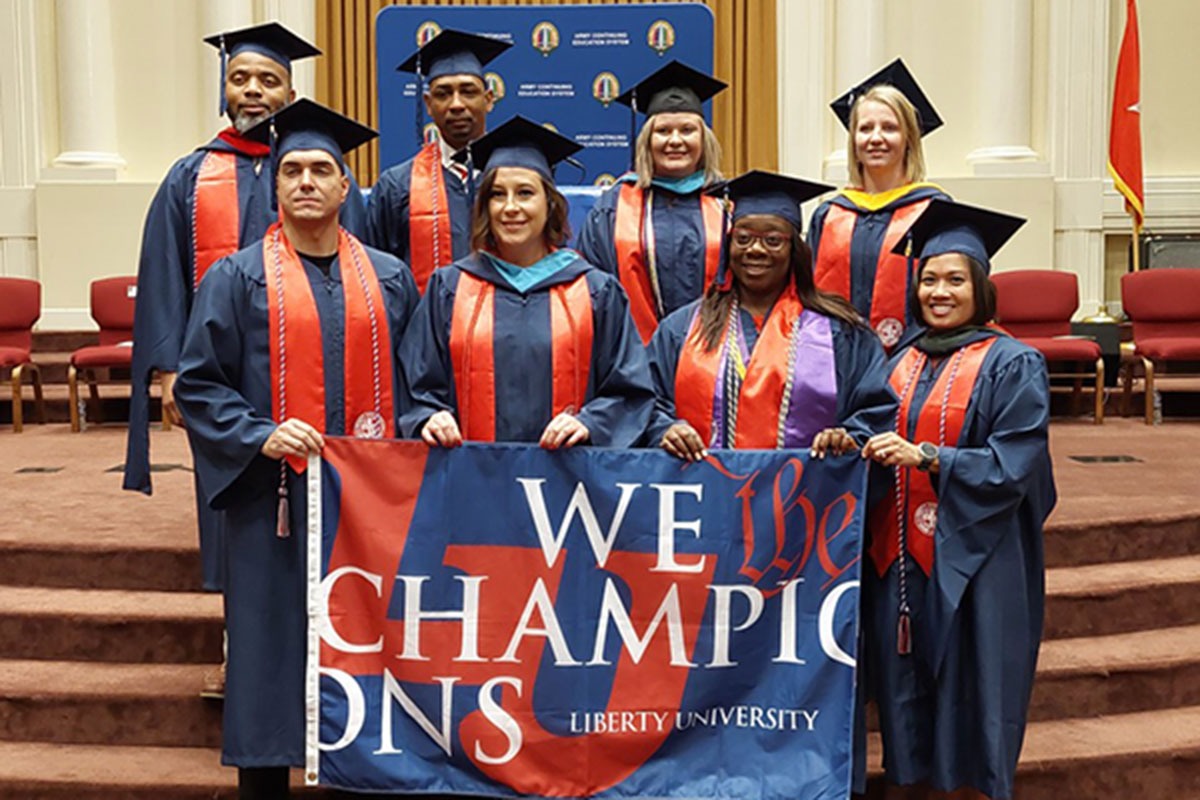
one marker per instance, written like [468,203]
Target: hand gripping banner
[501,620]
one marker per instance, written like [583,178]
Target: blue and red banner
[500,620]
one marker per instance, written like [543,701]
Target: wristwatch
[929,454]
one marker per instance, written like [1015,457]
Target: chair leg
[17,399]
[73,397]
[1149,366]
[1126,370]
[97,408]
[166,419]
[39,402]
[1099,410]
[1076,390]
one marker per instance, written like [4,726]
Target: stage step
[109,625]
[1130,756]
[1102,599]
[76,702]
[83,564]
[1072,545]
[1118,674]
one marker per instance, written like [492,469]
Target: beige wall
[53,222]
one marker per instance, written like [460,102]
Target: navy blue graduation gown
[165,295]
[678,237]
[619,394]
[866,404]
[866,241]
[953,713]
[387,213]
[224,391]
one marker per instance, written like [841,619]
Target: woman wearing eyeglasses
[764,360]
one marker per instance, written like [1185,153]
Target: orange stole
[761,393]
[473,358]
[832,270]
[631,253]
[920,502]
[303,369]
[215,223]
[430,243]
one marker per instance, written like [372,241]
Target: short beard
[243,122]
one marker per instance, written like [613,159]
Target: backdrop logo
[606,88]
[430,133]
[545,38]
[496,84]
[661,36]
[426,31]
[605,179]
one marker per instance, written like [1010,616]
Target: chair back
[112,308]
[20,307]
[1036,302]
[1162,303]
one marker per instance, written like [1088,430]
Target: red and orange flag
[1125,132]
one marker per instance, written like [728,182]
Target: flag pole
[1137,255]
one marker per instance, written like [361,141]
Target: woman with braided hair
[764,360]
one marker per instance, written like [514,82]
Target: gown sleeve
[425,358]
[663,351]
[387,215]
[596,242]
[866,404]
[815,226]
[400,297]
[1000,483]
[226,429]
[622,396]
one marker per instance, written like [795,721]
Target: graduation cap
[269,39]
[674,87]
[520,142]
[949,227]
[759,192]
[895,74]
[453,52]
[307,125]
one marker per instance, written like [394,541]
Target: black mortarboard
[269,39]
[759,192]
[520,142]
[453,52]
[949,227]
[307,125]
[674,87]
[897,75]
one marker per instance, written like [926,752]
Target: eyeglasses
[773,241]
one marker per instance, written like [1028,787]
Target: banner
[502,620]
[566,66]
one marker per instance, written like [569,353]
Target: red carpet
[105,637]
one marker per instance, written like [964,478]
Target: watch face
[928,450]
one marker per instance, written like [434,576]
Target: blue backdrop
[566,65]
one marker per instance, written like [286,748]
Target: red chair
[20,307]
[112,309]
[1164,306]
[1035,306]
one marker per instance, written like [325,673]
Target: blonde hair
[894,99]
[710,155]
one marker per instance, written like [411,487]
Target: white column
[300,17]
[803,55]
[1004,87]
[218,16]
[20,135]
[1077,98]
[86,96]
[858,53]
